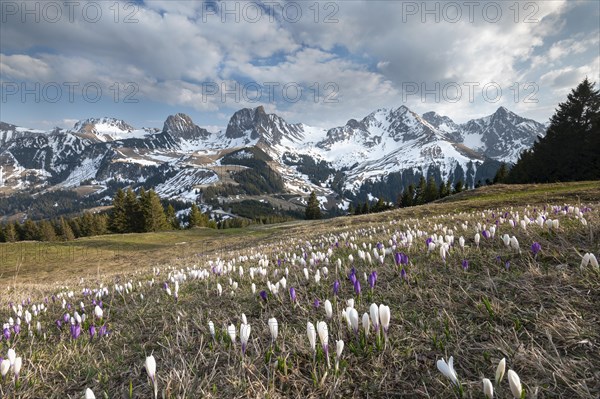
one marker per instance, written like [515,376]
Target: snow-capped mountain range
[182,156]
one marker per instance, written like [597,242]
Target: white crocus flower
[448,369]
[488,388]
[515,384]
[500,371]
[150,365]
[274,328]
[328,309]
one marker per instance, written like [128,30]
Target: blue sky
[321,63]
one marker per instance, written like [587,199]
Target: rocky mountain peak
[181,126]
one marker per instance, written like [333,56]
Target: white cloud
[369,53]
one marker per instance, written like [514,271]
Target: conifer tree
[118,217]
[570,150]
[431,191]
[419,197]
[501,174]
[64,229]
[153,212]
[196,218]
[172,220]
[365,208]
[29,231]
[406,199]
[46,231]
[458,187]
[133,211]
[10,233]
[313,209]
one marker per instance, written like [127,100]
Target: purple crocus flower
[465,264]
[398,258]
[507,265]
[485,234]
[75,331]
[352,277]
[59,324]
[316,303]
[92,331]
[102,331]
[535,248]
[263,295]
[372,279]
[6,333]
[336,287]
[427,241]
[293,294]
[66,317]
[403,274]
[357,287]
[17,329]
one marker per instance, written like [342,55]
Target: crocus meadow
[425,306]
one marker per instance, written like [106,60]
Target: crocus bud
[500,371]
[4,367]
[311,334]
[17,366]
[274,328]
[328,309]
[488,389]
[515,384]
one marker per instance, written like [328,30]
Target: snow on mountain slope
[501,136]
[385,141]
[108,129]
[10,132]
[182,186]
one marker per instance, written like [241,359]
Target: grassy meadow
[530,302]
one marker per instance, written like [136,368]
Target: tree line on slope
[570,150]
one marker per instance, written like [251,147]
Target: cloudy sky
[321,63]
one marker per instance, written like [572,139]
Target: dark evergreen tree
[431,191]
[172,218]
[86,224]
[46,231]
[448,187]
[365,208]
[135,222]
[350,209]
[501,174]
[65,230]
[443,190]
[405,200]
[153,212]
[570,150]
[29,231]
[74,224]
[313,208]
[420,192]
[196,218]
[380,205]
[10,233]
[118,222]
[458,187]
